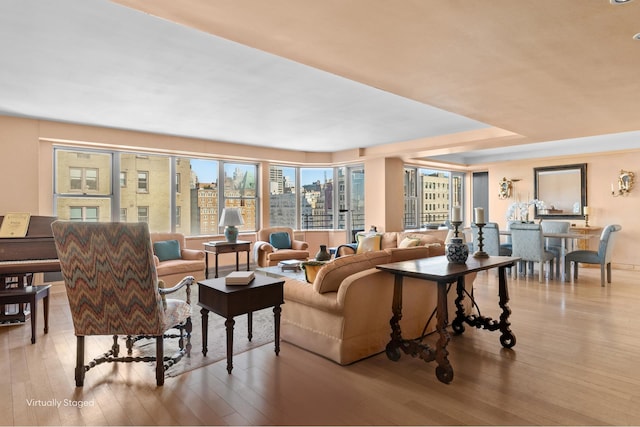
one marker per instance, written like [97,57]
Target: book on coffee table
[290,264]
[239,278]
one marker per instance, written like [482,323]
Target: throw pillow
[368,243]
[280,240]
[408,242]
[167,249]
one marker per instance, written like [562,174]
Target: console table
[439,270]
[224,247]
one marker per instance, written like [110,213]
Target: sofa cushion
[167,249]
[334,272]
[408,242]
[280,240]
[406,254]
[368,243]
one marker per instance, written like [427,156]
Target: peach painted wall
[602,171]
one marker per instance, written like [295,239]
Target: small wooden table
[229,301]
[439,270]
[224,247]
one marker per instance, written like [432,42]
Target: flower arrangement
[520,210]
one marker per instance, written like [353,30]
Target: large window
[283,205]
[169,193]
[429,196]
[308,198]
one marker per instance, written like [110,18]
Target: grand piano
[20,259]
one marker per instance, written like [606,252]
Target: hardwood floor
[575,363]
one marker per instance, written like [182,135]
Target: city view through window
[184,194]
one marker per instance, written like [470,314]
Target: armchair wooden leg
[160,360]
[79,361]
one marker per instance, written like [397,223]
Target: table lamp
[230,218]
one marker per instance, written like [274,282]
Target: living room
[576,339]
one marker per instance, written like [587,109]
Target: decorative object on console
[585,211]
[230,218]
[626,179]
[457,251]
[323,254]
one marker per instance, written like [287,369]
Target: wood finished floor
[576,362]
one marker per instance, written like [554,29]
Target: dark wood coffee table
[230,301]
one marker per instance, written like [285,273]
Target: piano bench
[30,295]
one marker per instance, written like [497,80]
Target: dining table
[566,241]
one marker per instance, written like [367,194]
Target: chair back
[607,240]
[490,238]
[527,241]
[110,278]
[265,233]
[555,227]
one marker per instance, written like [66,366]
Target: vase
[457,251]
[323,254]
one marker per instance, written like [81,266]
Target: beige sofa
[190,263]
[393,239]
[344,314]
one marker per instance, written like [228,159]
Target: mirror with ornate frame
[563,189]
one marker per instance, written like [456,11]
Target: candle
[585,210]
[612,190]
[479,215]
[455,214]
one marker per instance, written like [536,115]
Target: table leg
[205,330]
[206,265]
[276,322]
[216,276]
[393,347]
[229,324]
[247,260]
[444,371]
[250,325]
[237,260]
[458,323]
[507,338]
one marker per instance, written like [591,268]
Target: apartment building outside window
[84,213]
[438,190]
[143,214]
[143,182]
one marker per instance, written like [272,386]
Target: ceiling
[456,81]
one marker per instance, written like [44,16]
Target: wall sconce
[626,180]
[506,187]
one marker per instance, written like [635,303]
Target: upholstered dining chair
[602,256]
[113,289]
[554,244]
[275,244]
[490,239]
[528,244]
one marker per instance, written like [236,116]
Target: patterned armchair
[113,289]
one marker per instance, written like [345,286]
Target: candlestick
[480,253]
[479,215]
[455,224]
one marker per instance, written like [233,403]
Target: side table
[224,247]
[230,301]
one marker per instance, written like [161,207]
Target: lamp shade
[231,216]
